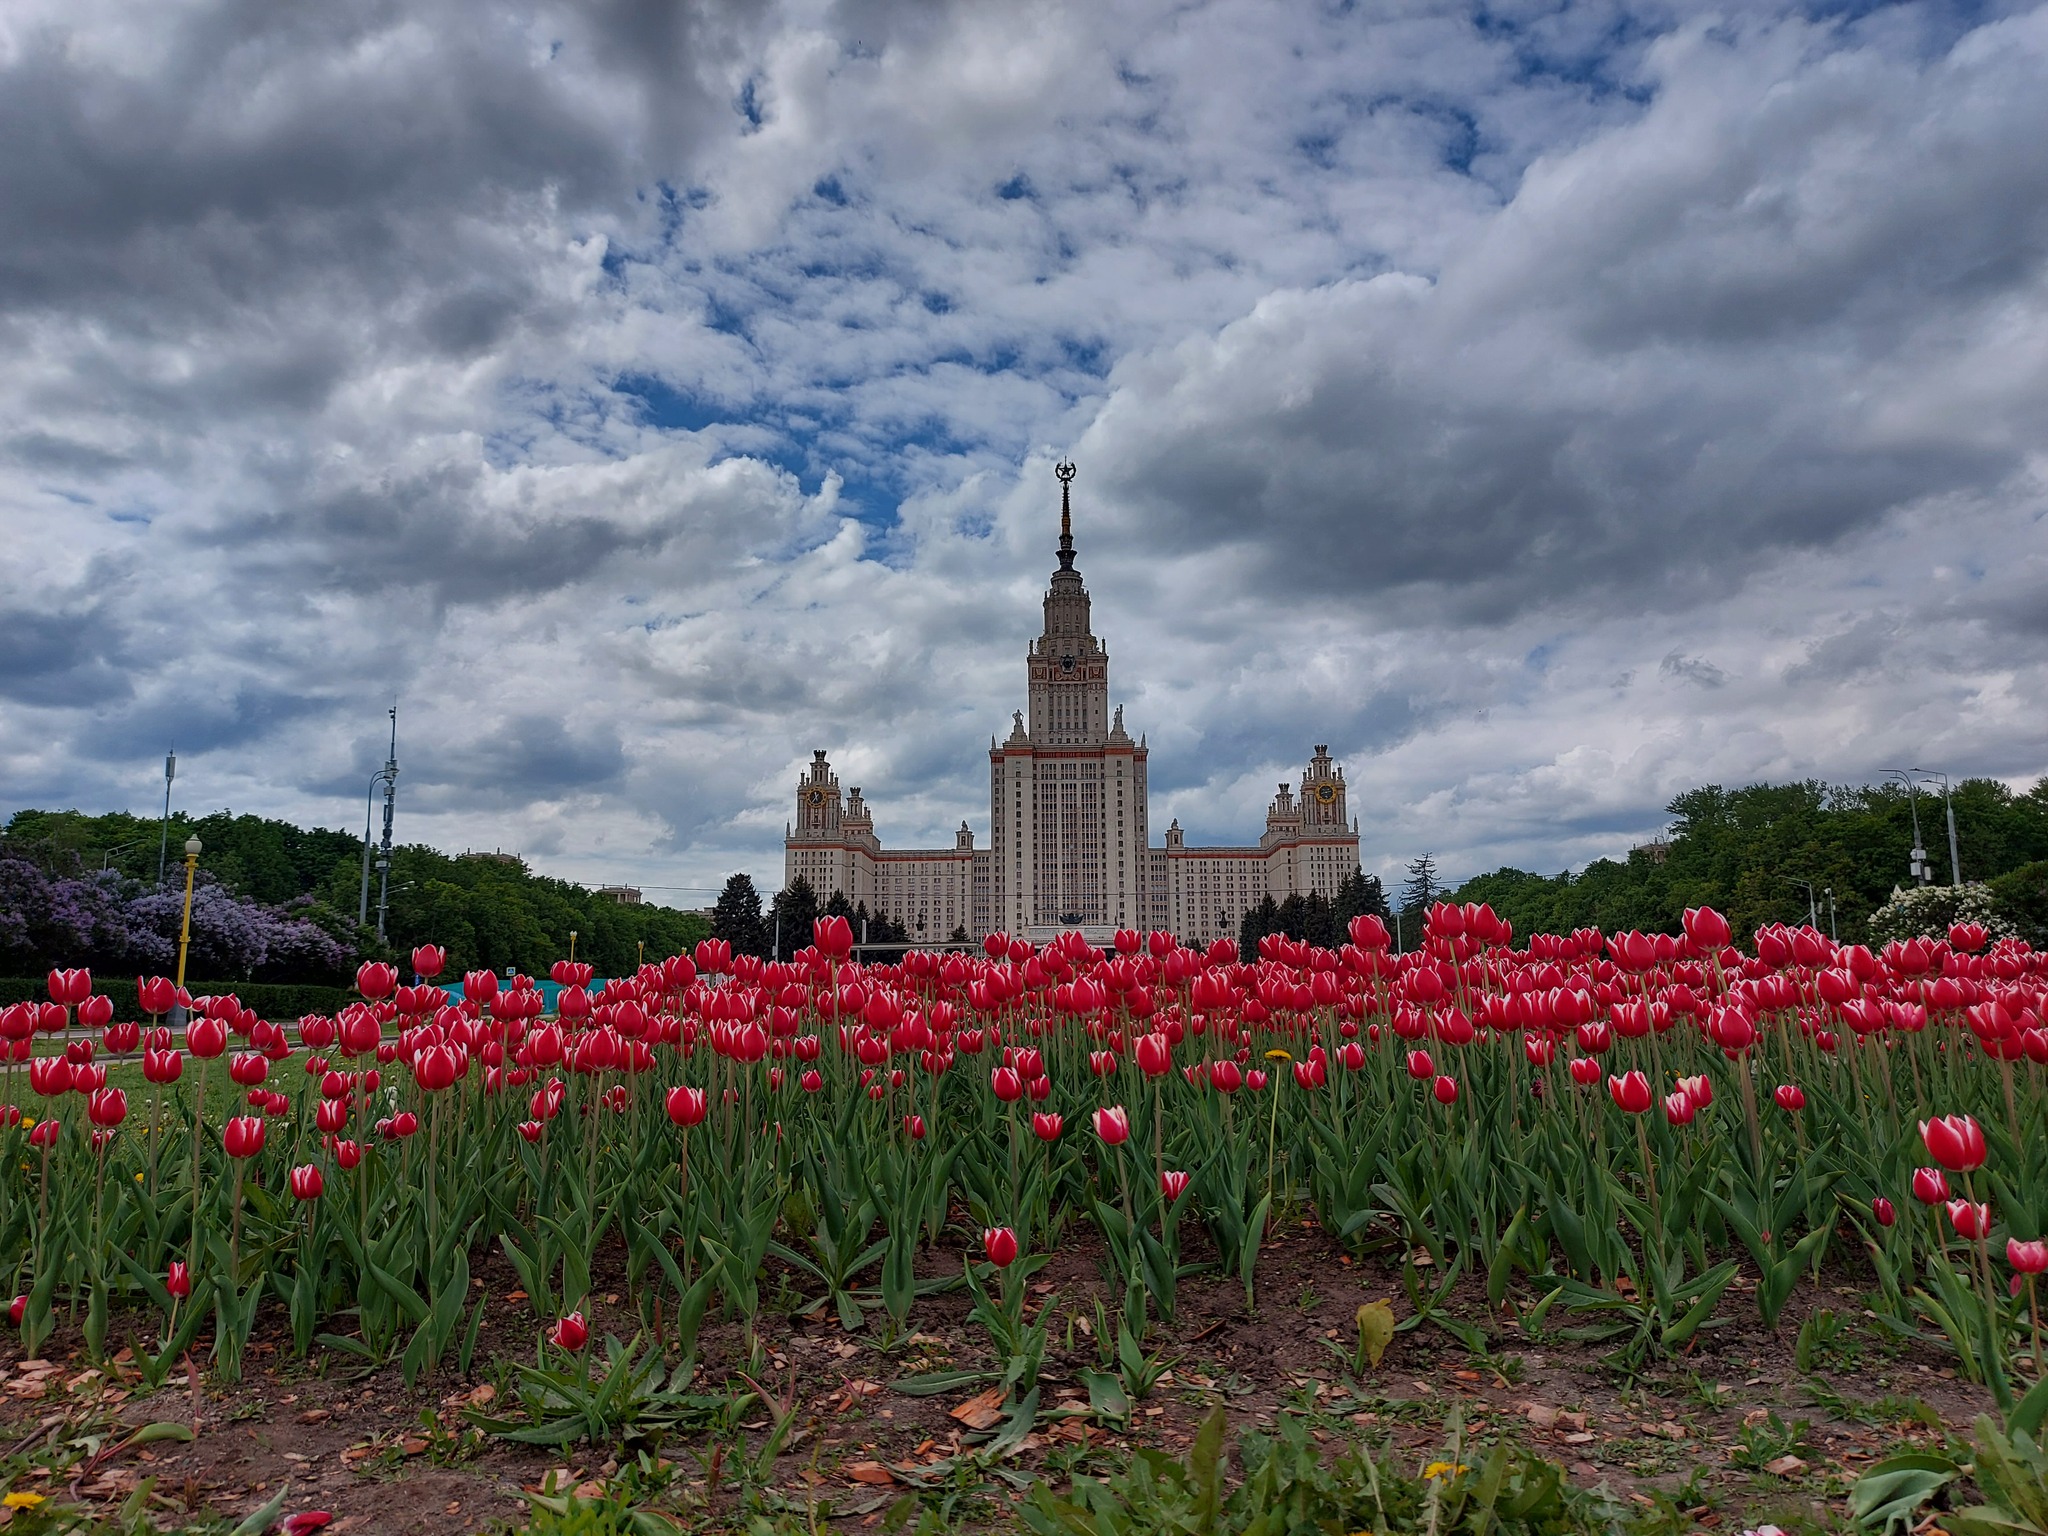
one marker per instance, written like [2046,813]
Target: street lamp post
[1955,864]
[193,847]
[163,851]
[1918,867]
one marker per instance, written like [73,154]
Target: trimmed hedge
[273,1000]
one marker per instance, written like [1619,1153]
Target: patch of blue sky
[1595,64]
[660,404]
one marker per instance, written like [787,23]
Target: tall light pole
[388,777]
[1955,864]
[193,848]
[384,853]
[1919,866]
[164,843]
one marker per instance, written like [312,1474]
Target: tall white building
[1069,845]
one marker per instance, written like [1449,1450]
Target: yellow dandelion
[1437,1469]
[21,1501]
[1276,1054]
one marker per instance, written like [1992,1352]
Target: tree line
[279,903]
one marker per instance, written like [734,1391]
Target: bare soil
[1696,1428]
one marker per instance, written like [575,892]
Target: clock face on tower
[1327,793]
[817,797]
[1067,663]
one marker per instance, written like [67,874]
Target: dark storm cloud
[1687,349]
[63,660]
[532,755]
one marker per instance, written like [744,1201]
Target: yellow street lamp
[192,851]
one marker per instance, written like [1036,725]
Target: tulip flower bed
[1058,1159]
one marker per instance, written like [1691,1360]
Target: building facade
[1069,841]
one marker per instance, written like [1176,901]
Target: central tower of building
[1067,789]
[1067,814]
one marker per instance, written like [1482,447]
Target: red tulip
[1000,1244]
[571,1333]
[1006,1084]
[206,1037]
[1954,1141]
[1420,1066]
[1225,1077]
[1930,1186]
[1154,1053]
[1585,1071]
[1352,1055]
[107,1108]
[1790,1098]
[96,1012]
[348,1154]
[1445,1089]
[249,1068]
[913,1127]
[1113,1125]
[687,1106]
[157,995]
[50,1076]
[306,1181]
[179,1281]
[811,1081]
[2029,1258]
[306,1522]
[1885,1212]
[1173,1183]
[376,980]
[1706,930]
[1631,1092]
[429,960]
[438,1067]
[833,936]
[45,1134]
[1972,1222]
[70,988]
[1679,1108]
[17,1309]
[243,1136]
[1698,1089]
[1046,1126]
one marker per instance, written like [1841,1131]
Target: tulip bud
[1173,1183]
[2029,1258]
[571,1333]
[1885,1212]
[1930,1186]
[1420,1066]
[1954,1141]
[1000,1244]
[348,1154]
[17,1309]
[686,1106]
[1113,1125]
[1445,1089]
[1790,1097]
[306,1181]
[179,1280]
[1630,1092]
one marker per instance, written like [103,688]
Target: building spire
[1065,470]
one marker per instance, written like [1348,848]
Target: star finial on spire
[1065,470]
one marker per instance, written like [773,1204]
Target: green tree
[795,909]
[737,918]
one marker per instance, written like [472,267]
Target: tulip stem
[198,1129]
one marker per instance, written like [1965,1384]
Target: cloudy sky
[1549,406]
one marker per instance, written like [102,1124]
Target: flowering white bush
[1926,911]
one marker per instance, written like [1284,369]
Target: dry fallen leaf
[870,1472]
[982,1411]
[1785,1466]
